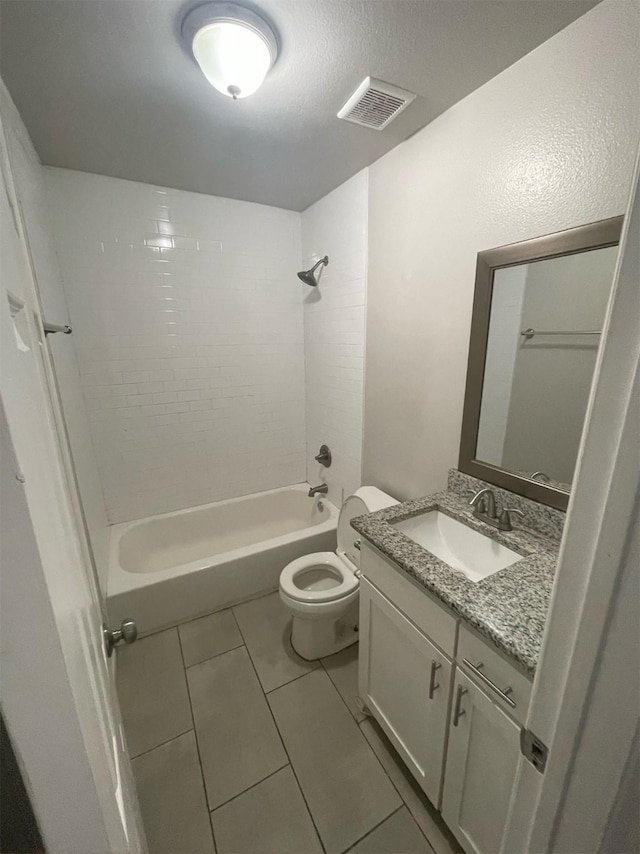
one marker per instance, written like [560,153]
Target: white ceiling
[105,86]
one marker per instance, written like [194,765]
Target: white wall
[29,177]
[187,315]
[334,334]
[547,145]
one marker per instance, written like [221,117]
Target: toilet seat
[299,582]
[321,590]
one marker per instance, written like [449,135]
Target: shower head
[308,276]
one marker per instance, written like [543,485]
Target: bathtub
[170,568]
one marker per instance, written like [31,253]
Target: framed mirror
[538,312]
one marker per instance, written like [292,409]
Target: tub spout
[318,490]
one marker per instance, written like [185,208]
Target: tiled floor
[241,747]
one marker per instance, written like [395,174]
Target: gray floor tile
[172,801]
[238,741]
[343,672]
[266,626]
[427,817]
[343,783]
[271,818]
[399,834]
[153,691]
[209,636]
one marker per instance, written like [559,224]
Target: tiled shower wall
[188,322]
[334,315]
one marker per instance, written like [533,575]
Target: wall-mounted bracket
[51,328]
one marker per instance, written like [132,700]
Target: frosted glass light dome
[234,47]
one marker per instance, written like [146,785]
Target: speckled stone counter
[509,607]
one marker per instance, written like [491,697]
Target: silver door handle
[127,633]
[459,712]
[432,679]
[475,668]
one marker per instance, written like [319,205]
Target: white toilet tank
[367,499]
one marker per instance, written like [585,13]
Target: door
[404,681]
[32,425]
[584,705]
[482,759]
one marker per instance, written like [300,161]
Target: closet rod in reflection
[530,333]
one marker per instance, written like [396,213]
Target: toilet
[320,590]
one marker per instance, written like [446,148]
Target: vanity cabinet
[482,758]
[451,705]
[405,682]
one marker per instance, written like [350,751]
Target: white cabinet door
[405,682]
[482,757]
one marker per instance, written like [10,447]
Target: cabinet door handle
[432,680]
[458,712]
[504,695]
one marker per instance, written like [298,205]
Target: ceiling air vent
[375,103]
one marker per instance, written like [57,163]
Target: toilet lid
[367,499]
[347,536]
[318,577]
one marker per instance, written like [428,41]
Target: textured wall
[547,145]
[187,316]
[334,334]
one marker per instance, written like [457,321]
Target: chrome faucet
[318,490]
[484,508]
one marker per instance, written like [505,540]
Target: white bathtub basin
[457,545]
[178,566]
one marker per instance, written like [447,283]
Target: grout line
[211,657]
[208,614]
[357,722]
[248,789]
[284,747]
[375,827]
[184,673]
[235,620]
[162,744]
[295,679]
[288,682]
[213,833]
[391,780]
[195,733]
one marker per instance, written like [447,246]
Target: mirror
[539,308]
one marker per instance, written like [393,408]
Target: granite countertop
[509,607]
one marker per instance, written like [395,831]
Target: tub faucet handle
[484,504]
[504,522]
[324,456]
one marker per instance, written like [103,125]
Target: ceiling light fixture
[234,47]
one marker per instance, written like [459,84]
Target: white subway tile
[166,288]
[334,334]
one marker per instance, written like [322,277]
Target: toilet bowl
[320,590]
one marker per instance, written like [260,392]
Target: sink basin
[457,545]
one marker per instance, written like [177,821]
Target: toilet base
[314,639]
